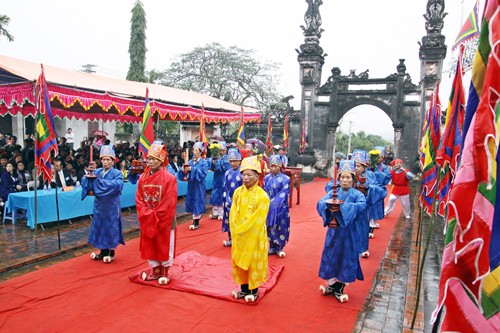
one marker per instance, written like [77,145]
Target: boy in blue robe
[277,187]
[232,180]
[106,228]
[196,173]
[219,165]
[340,258]
[373,192]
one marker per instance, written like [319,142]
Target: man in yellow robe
[247,221]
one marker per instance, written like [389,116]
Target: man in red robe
[156,200]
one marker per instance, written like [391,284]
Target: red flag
[269,143]
[45,140]
[285,133]
[469,30]
[203,134]
[429,149]
[450,146]
[147,132]
[466,258]
[241,131]
[302,144]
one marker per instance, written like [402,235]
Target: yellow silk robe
[250,245]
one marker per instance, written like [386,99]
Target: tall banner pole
[57,204]
[35,180]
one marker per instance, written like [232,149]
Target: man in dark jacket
[63,175]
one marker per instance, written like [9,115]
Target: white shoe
[407,216]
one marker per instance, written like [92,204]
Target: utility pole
[349,141]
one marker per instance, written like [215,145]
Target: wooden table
[294,174]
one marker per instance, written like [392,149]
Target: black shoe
[195,225]
[338,289]
[103,253]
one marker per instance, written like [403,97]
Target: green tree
[359,140]
[137,46]
[4,22]
[231,74]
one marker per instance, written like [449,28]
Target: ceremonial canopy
[80,95]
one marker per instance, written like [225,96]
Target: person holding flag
[106,228]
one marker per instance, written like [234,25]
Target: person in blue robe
[232,180]
[106,228]
[382,176]
[219,165]
[195,175]
[340,258]
[277,187]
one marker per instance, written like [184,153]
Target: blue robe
[106,227]
[383,176]
[340,258]
[219,168]
[196,190]
[278,218]
[233,180]
[375,196]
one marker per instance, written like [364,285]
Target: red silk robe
[156,200]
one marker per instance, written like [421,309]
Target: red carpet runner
[80,295]
[211,276]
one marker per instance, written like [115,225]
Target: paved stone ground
[389,307]
[391,303]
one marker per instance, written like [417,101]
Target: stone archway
[395,95]
[322,106]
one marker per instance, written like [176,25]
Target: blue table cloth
[70,203]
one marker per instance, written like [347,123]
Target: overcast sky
[359,34]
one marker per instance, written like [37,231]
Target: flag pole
[429,231]
[57,205]
[35,179]
[35,169]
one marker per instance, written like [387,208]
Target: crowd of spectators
[69,165]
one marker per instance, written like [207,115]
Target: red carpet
[80,295]
[210,276]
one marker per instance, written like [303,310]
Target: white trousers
[217,210]
[405,204]
[171,252]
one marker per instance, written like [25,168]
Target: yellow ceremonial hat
[250,163]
